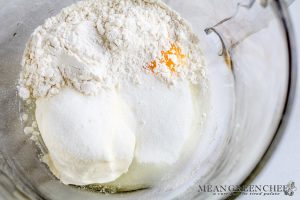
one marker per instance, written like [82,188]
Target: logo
[251,190]
[290,188]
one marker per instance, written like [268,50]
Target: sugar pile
[90,138]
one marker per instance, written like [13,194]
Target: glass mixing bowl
[252,41]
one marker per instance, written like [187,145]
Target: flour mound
[97,44]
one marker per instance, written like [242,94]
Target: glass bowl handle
[250,17]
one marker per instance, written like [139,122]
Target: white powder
[24,117]
[96,44]
[90,138]
[28,130]
[101,107]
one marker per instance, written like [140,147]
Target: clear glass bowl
[252,40]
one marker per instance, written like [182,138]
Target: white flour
[141,52]
[97,44]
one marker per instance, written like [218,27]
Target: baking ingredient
[96,44]
[90,138]
[170,59]
[115,84]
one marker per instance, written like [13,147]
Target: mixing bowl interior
[247,103]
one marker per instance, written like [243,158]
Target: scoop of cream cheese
[90,139]
[165,117]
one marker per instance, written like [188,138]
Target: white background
[284,164]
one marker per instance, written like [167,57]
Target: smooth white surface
[284,165]
[91,139]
